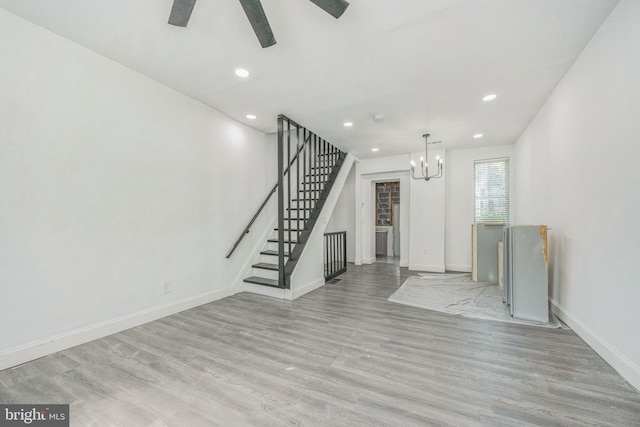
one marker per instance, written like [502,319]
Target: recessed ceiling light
[374,149]
[348,124]
[251,116]
[489,97]
[477,135]
[241,72]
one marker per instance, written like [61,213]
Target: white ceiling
[424,64]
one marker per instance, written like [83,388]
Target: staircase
[303,187]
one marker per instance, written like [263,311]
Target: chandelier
[424,164]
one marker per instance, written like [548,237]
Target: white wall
[460,198]
[344,215]
[427,217]
[110,185]
[576,171]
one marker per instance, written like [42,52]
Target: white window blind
[492,190]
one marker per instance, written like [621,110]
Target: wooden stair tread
[276,241]
[272,253]
[266,266]
[262,281]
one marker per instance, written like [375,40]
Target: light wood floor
[340,356]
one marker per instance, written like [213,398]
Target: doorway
[387,214]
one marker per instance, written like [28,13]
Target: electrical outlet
[166,287]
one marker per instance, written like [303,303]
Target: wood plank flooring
[340,356]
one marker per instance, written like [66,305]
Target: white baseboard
[350,259]
[458,267]
[299,291]
[625,367]
[427,267]
[35,350]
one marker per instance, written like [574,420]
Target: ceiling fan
[181,12]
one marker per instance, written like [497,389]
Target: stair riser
[294,234]
[314,194]
[295,215]
[267,274]
[309,192]
[296,211]
[272,259]
[274,246]
[310,203]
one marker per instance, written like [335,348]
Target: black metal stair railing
[335,254]
[308,184]
[312,165]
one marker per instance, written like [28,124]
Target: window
[492,190]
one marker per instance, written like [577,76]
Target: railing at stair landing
[316,164]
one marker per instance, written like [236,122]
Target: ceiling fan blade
[181,12]
[259,22]
[334,8]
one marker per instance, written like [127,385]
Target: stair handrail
[264,203]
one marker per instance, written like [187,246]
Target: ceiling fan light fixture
[259,22]
[181,12]
[334,8]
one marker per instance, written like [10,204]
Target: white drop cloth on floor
[456,293]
